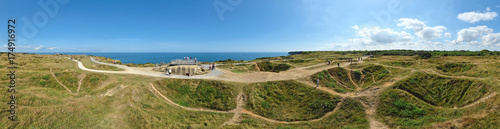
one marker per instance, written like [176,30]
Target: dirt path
[326,89]
[60,82]
[431,71]
[80,84]
[294,122]
[480,100]
[240,103]
[349,74]
[221,74]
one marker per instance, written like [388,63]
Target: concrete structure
[183,66]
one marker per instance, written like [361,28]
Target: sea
[141,58]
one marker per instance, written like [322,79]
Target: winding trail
[240,102]
[80,84]
[480,100]
[294,122]
[220,74]
[60,82]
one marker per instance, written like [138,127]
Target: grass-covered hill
[199,93]
[289,101]
[343,80]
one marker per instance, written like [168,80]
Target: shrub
[45,77]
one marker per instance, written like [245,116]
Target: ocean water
[140,58]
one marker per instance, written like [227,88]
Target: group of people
[211,67]
[189,58]
[168,71]
[328,62]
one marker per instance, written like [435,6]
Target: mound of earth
[342,80]
[272,67]
[455,67]
[289,101]
[442,91]
[199,93]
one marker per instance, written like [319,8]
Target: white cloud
[429,33]
[473,17]
[447,34]
[421,30]
[491,39]
[375,35]
[410,23]
[472,33]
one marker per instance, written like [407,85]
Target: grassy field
[239,68]
[399,108]
[441,91]
[272,67]
[403,92]
[350,115]
[200,93]
[92,65]
[342,80]
[289,101]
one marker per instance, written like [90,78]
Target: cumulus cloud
[410,23]
[376,35]
[491,39]
[429,33]
[472,35]
[473,17]
[421,30]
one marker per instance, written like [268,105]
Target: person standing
[338,64]
[317,82]
[169,71]
[213,66]
[209,67]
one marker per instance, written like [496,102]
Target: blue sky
[251,25]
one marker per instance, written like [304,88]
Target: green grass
[351,115]
[289,101]
[455,67]
[400,63]
[326,79]
[272,67]
[199,93]
[239,68]
[374,73]
[339,80]
[400,109]
[441,91]
[92,65]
